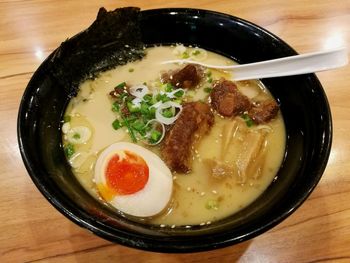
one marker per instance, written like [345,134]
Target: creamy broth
[199,197]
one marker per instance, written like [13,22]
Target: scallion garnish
[121,85]
[208,89]
[116,124]
[115,106]
[132,107]
[131,131]
[169,87]
[69,150]
[196,52]
[167,113]
[212,204]
[155,136]
[185,55]
[76,136]
[136,107]
[179,93]
[66,118]
[249,122]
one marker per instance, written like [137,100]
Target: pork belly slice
[227,100]
[264,111]
[195,120]
[188,77]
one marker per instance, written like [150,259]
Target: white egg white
[156,194]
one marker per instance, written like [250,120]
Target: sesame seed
[173,226]
[202,193]
[189,189]
[162,225]
[202,224]
[188,226]
[208,223]
[174,177]
[214,192]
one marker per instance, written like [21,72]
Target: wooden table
[32,230]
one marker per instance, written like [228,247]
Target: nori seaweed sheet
[113,39]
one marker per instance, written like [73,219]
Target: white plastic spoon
[287,66]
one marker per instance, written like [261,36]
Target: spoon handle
[287,66]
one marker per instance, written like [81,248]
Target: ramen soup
[174,144]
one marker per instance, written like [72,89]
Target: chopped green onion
[178,101]
[152,111]
[249,122]
[179,93]
[69,150]
[209,73]
[129,119]
[121,85]
[208,89]
[138,125]
[131,132]
[155,136]
[116,124]
[185,55]
[147,97]
[124,95]
[162,98]
[212,204]
[144,108]
[167,113]
[76,136]
[196,52]
[169,87]
[210,80]
[67,118]
[115,107]
[132,107]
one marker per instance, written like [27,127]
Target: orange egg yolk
[126,175]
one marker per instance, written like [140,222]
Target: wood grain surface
[31,230]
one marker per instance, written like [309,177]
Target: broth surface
[199,197]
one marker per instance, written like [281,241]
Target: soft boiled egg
[133,179]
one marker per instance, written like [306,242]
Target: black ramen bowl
[303,104]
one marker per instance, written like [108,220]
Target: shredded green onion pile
[138,111]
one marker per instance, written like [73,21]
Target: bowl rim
[164,245]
